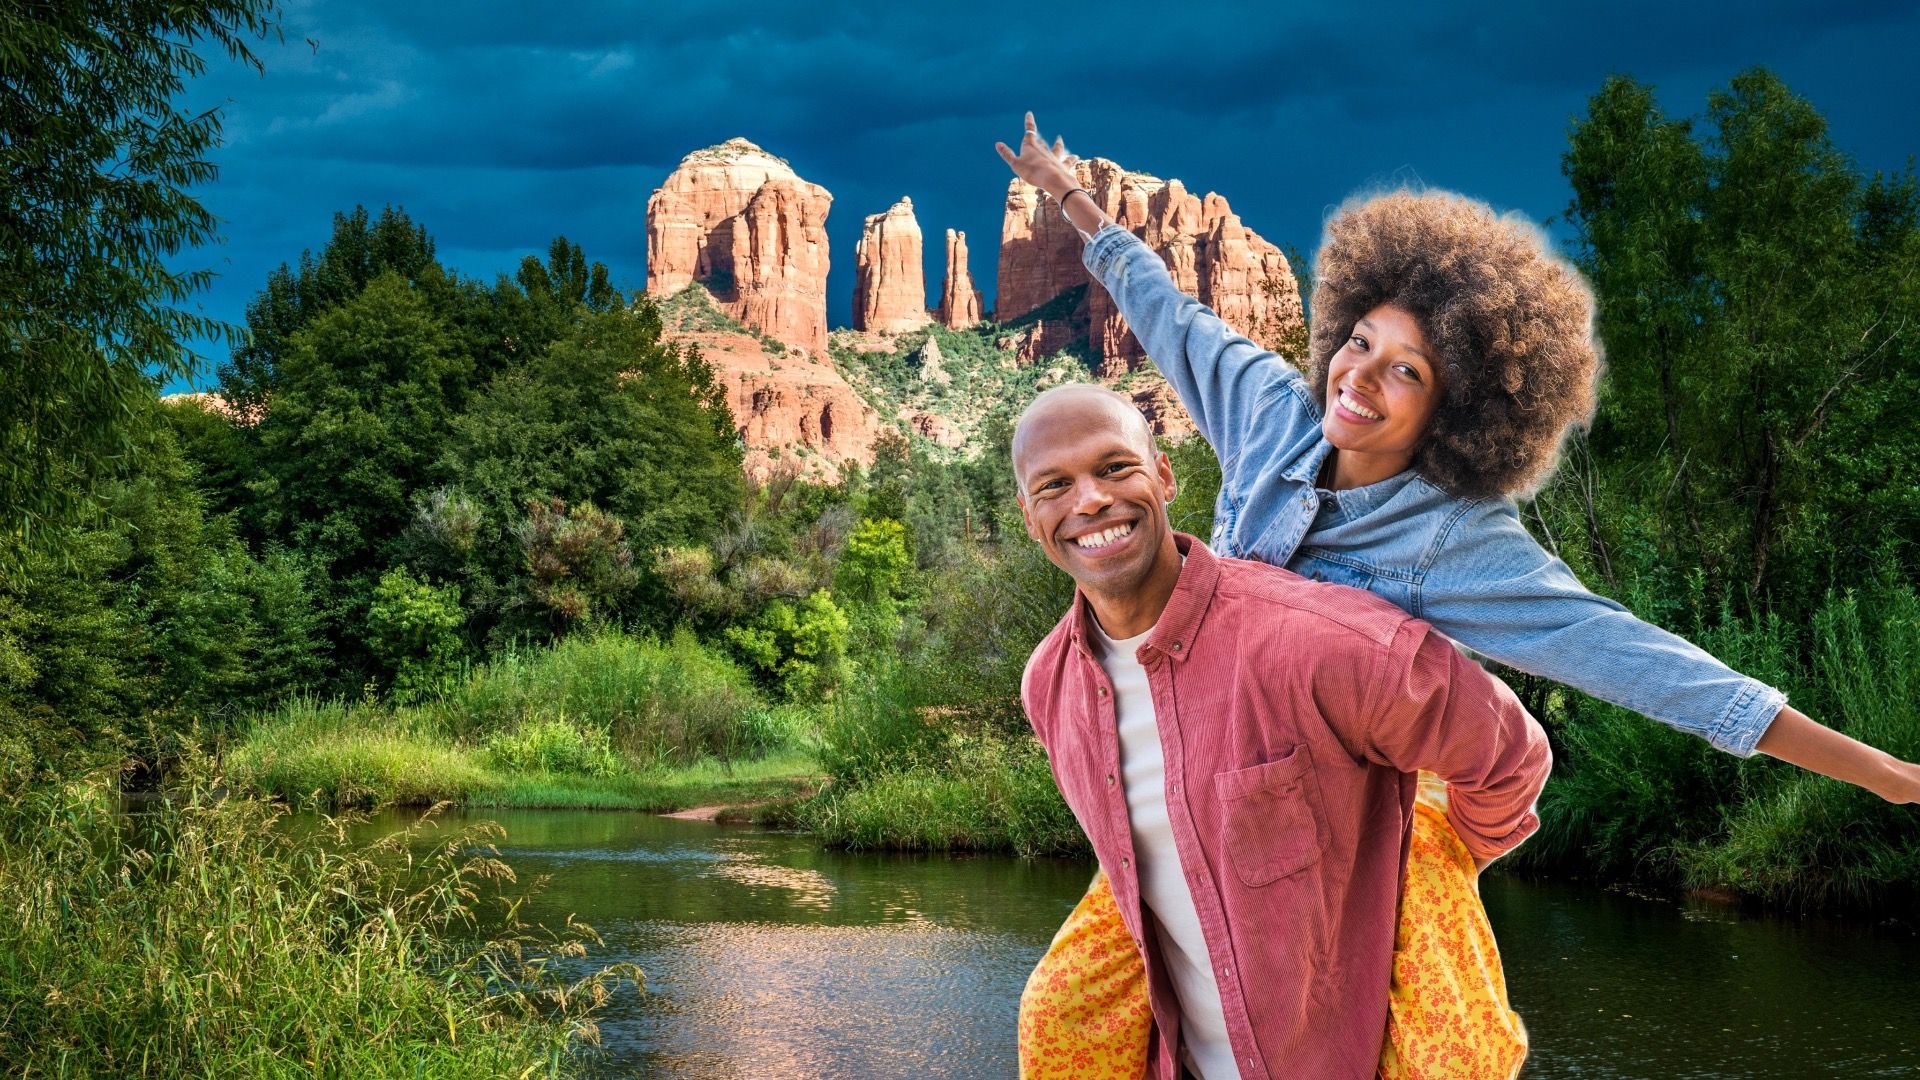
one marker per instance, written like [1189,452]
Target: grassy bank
[336,754]
[909,770]
[199,939]
[980,794]
[612,721]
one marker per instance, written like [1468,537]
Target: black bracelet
[1062,200]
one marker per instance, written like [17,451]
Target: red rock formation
[959,300]
[937,428]
[889,280]
[1158,403]
[790,407]
[738,220]
[1210,253]
[216,404]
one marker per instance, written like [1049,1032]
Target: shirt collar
[1306,470]
[1172,635]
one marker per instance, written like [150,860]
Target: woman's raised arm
[1222,378]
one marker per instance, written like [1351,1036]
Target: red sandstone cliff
[959,299]
[1211,254]
[792,410]
[739,220]
[889,282]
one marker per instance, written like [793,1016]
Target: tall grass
[910,772]
[984,793]
[204,938]
[361,754]
[607,721]
[657,701]
[1632,798]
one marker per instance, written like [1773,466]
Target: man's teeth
[1102,539]
[1355,406]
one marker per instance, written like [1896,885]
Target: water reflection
[1615,985]
[768,957]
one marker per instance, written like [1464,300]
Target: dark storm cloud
[498,129]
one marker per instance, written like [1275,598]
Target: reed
[1633,799]
[203,937]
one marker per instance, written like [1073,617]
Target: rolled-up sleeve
[1436,710]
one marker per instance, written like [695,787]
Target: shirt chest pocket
[1340,572]
[1271,818]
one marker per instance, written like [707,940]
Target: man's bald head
[1076,407]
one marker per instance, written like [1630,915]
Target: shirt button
[1176,646]
[1176,787]
[1227,971]
[1109,779]
[1126,863]
[1103,691]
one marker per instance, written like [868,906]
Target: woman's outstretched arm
[1496,591]
[1049,169]
[1797,738]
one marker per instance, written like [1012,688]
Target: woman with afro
[1451,354]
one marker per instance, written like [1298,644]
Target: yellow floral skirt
[1084,1014]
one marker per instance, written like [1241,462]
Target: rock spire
[959,300]
[889,283]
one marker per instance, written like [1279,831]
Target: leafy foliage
[798,647]
[98,155]
[1759,301]
[414,629]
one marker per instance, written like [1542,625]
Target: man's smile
[1103,538]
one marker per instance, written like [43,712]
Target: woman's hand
[1048,168]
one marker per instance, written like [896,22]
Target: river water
[767,957]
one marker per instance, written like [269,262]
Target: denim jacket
[1467,566]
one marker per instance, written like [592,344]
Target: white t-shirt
[1163,884]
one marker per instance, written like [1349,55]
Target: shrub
[798,648]
[554,744]
[414,629]
[656,701]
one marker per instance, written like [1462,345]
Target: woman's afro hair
[1510,323]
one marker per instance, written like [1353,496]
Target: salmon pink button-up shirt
[1293,716]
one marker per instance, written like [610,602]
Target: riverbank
[337,756]
[197,938]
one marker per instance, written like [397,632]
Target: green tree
[156,621]
[366,398]
[610,415]
[361,248]
[873,565]
[890,477]
[798,647]
[98,153]
[1757,301]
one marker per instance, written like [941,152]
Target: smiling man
[1240,745]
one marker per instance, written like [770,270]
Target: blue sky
[499,127]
